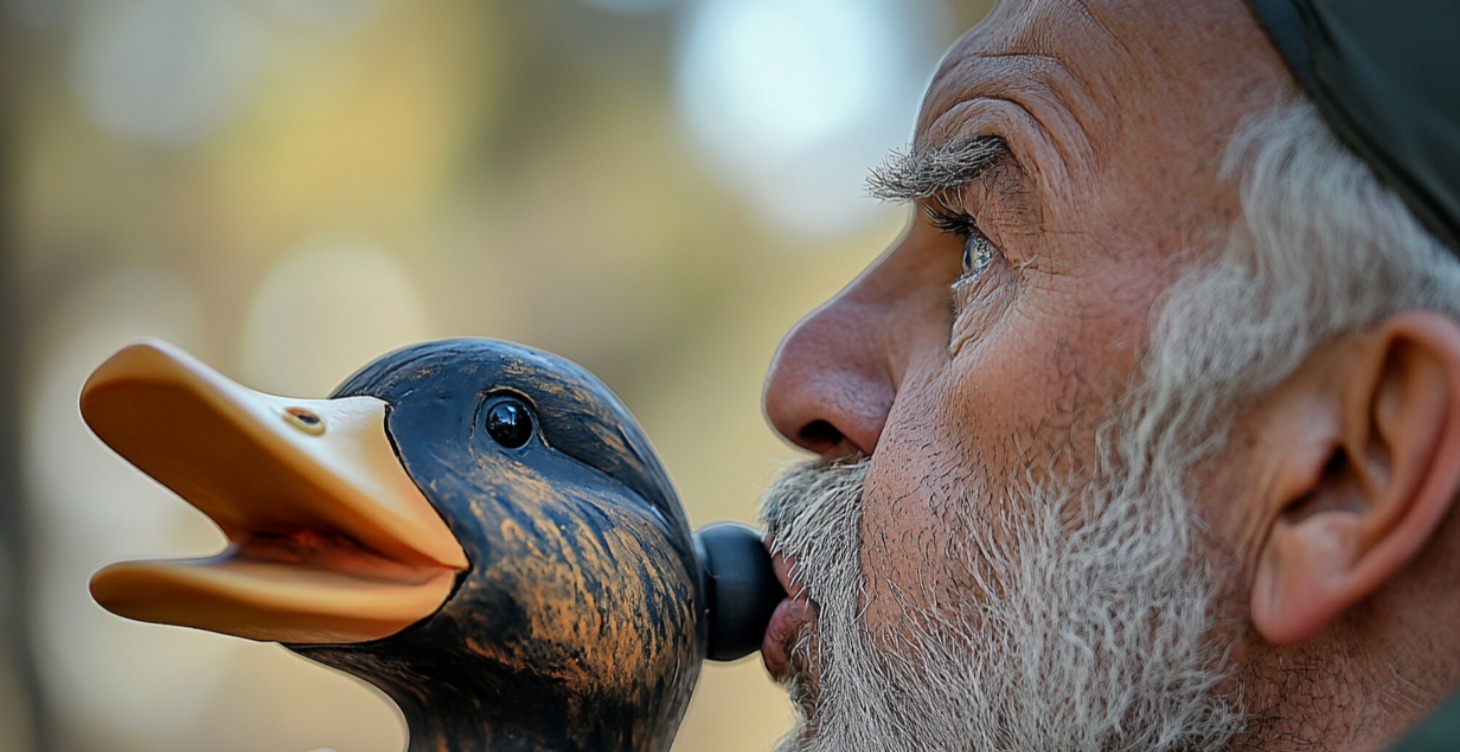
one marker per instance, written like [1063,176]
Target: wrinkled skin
[1115,115]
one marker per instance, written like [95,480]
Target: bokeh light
[325,310]
[656,189]
[166,71]
[793,100]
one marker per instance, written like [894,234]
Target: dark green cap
[1385,75]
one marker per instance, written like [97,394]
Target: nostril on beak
[819,436]
[304,420]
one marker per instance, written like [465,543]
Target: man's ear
[1372,470]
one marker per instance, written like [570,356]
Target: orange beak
[330,541]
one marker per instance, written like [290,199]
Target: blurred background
[656,189]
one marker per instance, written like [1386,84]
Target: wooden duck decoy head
[479,529]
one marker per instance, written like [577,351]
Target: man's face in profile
[1013,564]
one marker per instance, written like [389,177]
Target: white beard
[1091,635]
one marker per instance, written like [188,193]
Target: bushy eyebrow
[923,173]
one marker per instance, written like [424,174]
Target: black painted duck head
[478,528]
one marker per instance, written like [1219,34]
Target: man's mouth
[789,620]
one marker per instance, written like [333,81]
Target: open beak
[329,540]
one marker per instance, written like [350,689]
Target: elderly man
[1146,433]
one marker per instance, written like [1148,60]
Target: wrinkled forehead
[1122,58]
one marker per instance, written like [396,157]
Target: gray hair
[1323,248]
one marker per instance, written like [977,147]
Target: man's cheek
[912,512]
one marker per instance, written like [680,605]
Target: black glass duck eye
[509,423]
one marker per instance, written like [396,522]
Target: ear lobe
[1378,473]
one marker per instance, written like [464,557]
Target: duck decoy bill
[328,539]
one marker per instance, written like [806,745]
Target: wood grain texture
[578,624]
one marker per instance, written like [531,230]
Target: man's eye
[978,250]
[978,253]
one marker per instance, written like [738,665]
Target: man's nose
[831,384]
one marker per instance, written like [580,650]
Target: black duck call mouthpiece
[741,589]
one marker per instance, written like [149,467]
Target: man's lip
[789,619]
[781,634]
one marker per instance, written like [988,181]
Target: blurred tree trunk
[15,588]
